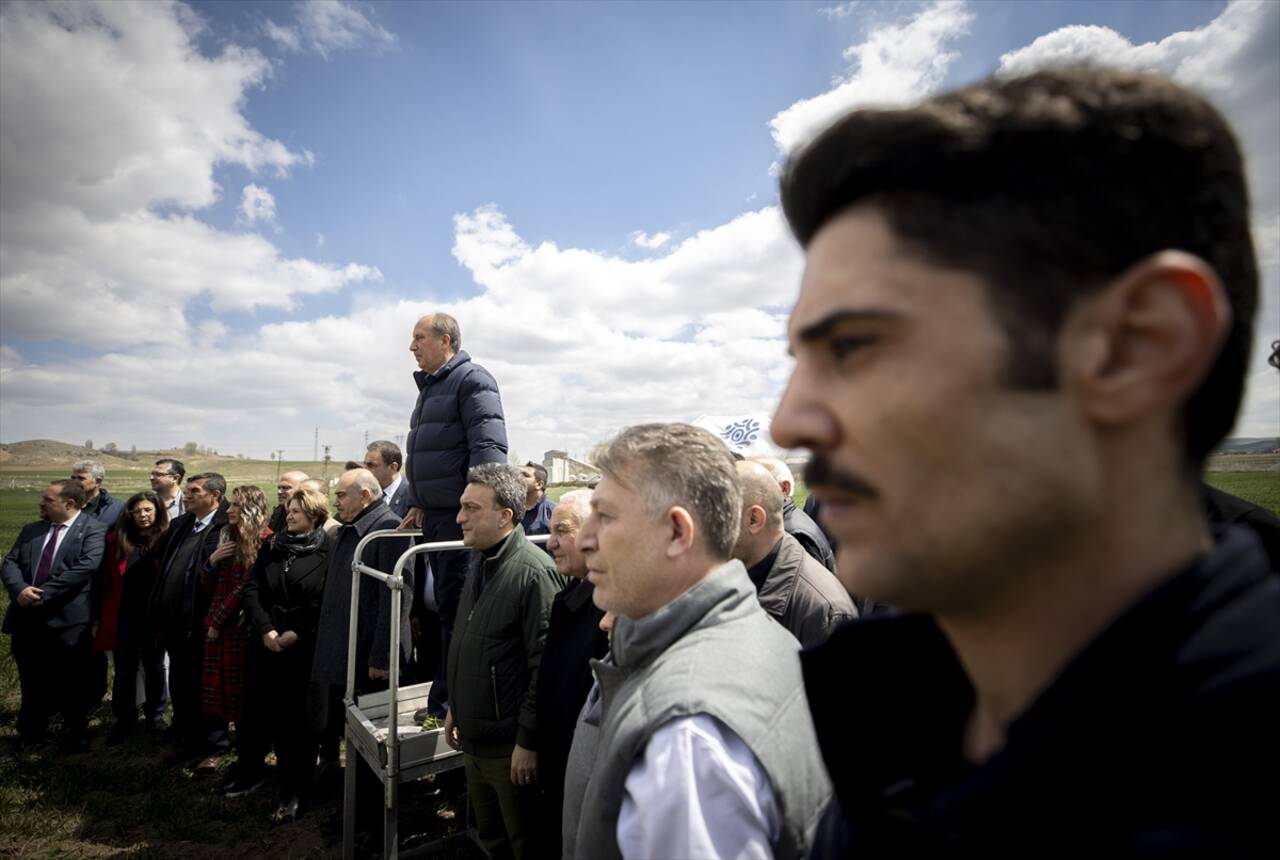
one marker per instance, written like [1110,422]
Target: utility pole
[279,457]
[326,464]
[366,440]
[315,446]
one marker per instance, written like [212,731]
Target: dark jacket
[456,424]
[179,529]
[106,508]
[801,594]
[1225,508]
[373,624]
[574,639]
[285,593]
[537,520]
[801,526]
[497,644]
[1156,740]
[399,503]
[65,601]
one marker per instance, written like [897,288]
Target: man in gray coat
[793,587]
[693,757]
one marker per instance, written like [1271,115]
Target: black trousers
[450,571]
[55,674]
[193,730]
[275,717]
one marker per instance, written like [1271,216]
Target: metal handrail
[394,581]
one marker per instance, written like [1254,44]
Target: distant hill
[48,452]
[1244,445]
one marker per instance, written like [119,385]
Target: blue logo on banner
[742,433]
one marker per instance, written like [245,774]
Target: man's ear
[680,523]
[786,488]
[1147,339]
[755,518]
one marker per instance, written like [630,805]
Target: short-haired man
[385,461]
[99,504]
[456,424]
[47,575]
[537,507]
[1023,325]
[166,482]
[179,604]
[494,657]
[703,743]
[285,485]
[574,639]
[796,522]
[792,586]
[361,508]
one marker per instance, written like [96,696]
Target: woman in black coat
[282,609]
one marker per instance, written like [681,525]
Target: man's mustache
[820,472]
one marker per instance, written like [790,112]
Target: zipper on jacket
[493,682]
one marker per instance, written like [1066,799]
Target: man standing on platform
[457,424]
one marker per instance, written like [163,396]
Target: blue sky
[264,196]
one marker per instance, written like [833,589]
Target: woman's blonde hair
[314,504]
[253,516]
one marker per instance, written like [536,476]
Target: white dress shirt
[698,791]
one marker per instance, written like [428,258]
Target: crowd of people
[1024,302]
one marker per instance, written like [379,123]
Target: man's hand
[271,641]
[412,520]
[30,596]
[287,639]
[211,634]
[524,766]
[224,550]
[452,736]
[377,674]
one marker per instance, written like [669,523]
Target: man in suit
[47,575]
[178,607]
[385,461]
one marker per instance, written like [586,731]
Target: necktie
[46,558]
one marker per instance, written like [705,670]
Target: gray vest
[710,651]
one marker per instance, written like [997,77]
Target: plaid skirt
[222,685]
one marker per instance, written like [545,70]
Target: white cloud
[896,63]
[326,26]
[257,204]
[842,10]
[110,112]
[1233,61]
[644,240]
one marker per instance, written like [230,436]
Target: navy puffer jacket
[456,424]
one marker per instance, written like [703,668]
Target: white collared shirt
[61,534]
[390,490]
[203,522]
[697,791]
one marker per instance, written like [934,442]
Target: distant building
[563,469]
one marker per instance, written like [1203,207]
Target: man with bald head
[457,424]
[285,485]
[797,591]
[361,508]
[797,522]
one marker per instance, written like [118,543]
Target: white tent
[748,434]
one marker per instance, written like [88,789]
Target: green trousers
[505,812]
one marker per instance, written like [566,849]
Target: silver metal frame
[364,739]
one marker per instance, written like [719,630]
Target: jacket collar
[778,579]
[422,377]
[510,546]
[370,515]
[577,594]
[720,595]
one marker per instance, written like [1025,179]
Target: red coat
[108,588]
[222,688]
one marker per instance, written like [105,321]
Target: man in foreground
[703,743]
[47,575]
[494,657]
[1024,323]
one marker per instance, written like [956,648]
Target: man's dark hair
[213,482]
[1047,187]
[539,472]
[388,451]
[507,483]
[443,324]
[72,490]
[175,466]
